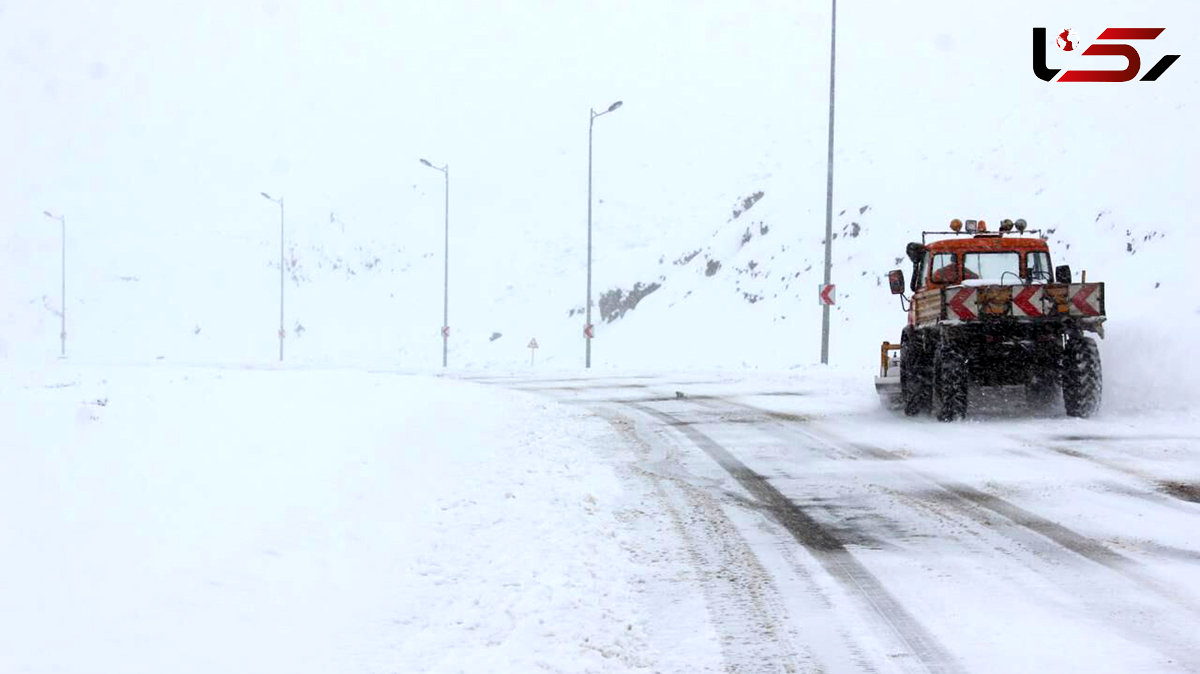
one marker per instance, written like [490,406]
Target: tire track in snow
[1171,492]
[738,592]
[970,503]
[826,548]
[965,498]
[957,493]
[1047,540]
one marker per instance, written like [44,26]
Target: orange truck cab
[986,258]
[988,309]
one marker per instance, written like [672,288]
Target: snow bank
[1151,367]
[187,520]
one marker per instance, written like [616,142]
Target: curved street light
[281,265]
[446,257]
[62,334]
[829,186]
[334,220]
[588,330]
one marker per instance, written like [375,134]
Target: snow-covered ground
[187,519]
[231,520]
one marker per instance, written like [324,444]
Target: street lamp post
[281,266]
[334,220]
[62,334]
[588,330]
[829,189]
[446,263]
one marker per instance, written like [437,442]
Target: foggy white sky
[131,115]
[154,125]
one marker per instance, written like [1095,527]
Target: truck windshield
[992,267]
[1038,266]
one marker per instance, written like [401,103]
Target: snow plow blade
[888,389]
[887,384]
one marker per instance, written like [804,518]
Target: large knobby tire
[1082,380]
[916,379]
[952,380]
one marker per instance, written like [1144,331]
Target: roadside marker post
[827,292]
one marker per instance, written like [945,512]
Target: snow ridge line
[830,552]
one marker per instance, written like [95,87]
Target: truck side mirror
[896,281]
[1062,273]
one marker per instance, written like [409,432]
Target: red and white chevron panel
[962,303]
[1027,301]
[1087,299]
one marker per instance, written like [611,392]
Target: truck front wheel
[953,378]
[1082,380]
[916,385]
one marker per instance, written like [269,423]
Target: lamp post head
[444,169]
[48,214]
[266,196]
[610,108]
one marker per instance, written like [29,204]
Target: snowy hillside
[748,298]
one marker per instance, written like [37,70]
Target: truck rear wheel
[1082,379]
[916,385]
[953,378]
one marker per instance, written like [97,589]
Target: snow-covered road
[826,534]
[190,519]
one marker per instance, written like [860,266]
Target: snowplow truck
[987,310]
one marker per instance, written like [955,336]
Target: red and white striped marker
[827,294]
[1027,301]
[958,303]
